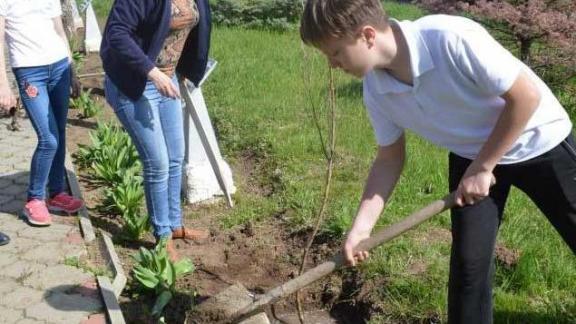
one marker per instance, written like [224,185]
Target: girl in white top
[41,61]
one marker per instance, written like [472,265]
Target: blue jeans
[155,124]
[45,94]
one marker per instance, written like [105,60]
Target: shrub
[270,14]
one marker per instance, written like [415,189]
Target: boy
[449,81]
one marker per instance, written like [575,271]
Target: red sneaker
[37,213]
[64,202]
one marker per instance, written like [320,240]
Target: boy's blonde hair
[325,19]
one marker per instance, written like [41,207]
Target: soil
[259,256]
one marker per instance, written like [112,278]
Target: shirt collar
[420,60]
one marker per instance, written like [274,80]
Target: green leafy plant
[88,107]
[105,134]
[155,271]
[77,58]
[135,225]
[125,197]
[110,156]
[114,163]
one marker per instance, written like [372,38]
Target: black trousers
[549,180]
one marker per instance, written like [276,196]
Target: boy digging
[446,79]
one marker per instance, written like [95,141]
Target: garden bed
[259,255]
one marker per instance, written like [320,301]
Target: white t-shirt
[30,35]
[459,72]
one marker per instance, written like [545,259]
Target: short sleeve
[54,9]
[487,63]
[385,130]
[3,8]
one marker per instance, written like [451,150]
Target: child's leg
[59,93]
[550,181]
[474,230]
[32,83]
[141,120]
[170,113]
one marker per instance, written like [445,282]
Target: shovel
[314,274]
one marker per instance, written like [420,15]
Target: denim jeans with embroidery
[155,124]
[45,94]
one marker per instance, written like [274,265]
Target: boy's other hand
[7,98]
[163,83]
[474,186]
[351,257]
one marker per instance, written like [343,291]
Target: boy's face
[352,55]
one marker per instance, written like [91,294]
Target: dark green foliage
[270,14]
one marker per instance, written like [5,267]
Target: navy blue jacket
[134,36]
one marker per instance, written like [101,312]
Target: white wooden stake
[201,142]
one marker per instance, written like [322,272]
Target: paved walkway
[36,284]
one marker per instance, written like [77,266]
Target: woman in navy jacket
[147,45]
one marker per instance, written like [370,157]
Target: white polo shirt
[30,34]
[459,72]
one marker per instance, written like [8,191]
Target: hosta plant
[135,225]
[154,271]
[126,197]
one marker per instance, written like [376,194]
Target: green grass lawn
[260,102]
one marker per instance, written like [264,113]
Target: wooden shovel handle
[337,261]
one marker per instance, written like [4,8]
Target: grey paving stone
[9,315]
[8,255]
[6,169]
[21,298]
[5,198]
[48,253]
[11,224]
[14,160]
[21,270]
[14,206]
[22,179]
[22,165]
[4,182]
[73,250]
[63,308]
[10,150]
[24,244]
[59,277]
[13,189]
[30,321]
[54,232]
[7,285]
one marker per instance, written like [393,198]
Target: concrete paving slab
[57,278]
[36,287]
[9,315]
[21,270]
[21,298]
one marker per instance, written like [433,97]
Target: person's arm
[123,21]
[384,174]
[7,98]
[521,102]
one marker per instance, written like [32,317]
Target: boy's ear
[368,34]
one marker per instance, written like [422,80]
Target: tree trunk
[71,18]
[525,47]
